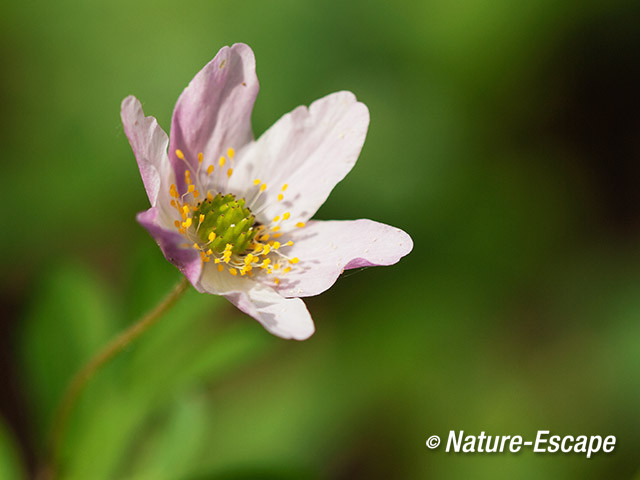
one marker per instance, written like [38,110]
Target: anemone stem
[82,376]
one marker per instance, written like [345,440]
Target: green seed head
[230,220]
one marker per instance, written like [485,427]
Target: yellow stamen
[300,224]
[284,187]
[231,152]
[209,169]
[229,172]
[286,215]
[280,197]
[294,260]
[191,188]
[256,181]
[276,218]
[220,267]
[263,187]
[233,271]
[222,161]
[179,154]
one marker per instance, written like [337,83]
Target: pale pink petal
[186,259]
[284,317]
[326,249]
[310,150]
[213,113]
[149,144]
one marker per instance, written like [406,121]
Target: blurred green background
[504,138]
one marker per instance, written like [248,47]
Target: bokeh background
[504,137]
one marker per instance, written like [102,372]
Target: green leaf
[68,319]
[10,462]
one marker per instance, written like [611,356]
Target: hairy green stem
[82,377]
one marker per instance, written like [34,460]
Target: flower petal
[213,113]
[149,144]
[326,249]
[310,150]
[284,317]
[187,260]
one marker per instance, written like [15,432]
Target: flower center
[231,221]
[224,229]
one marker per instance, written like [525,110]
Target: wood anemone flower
[233,213]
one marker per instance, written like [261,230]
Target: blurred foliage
[10,462]
[503,138]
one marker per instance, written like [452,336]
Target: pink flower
[233,213]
